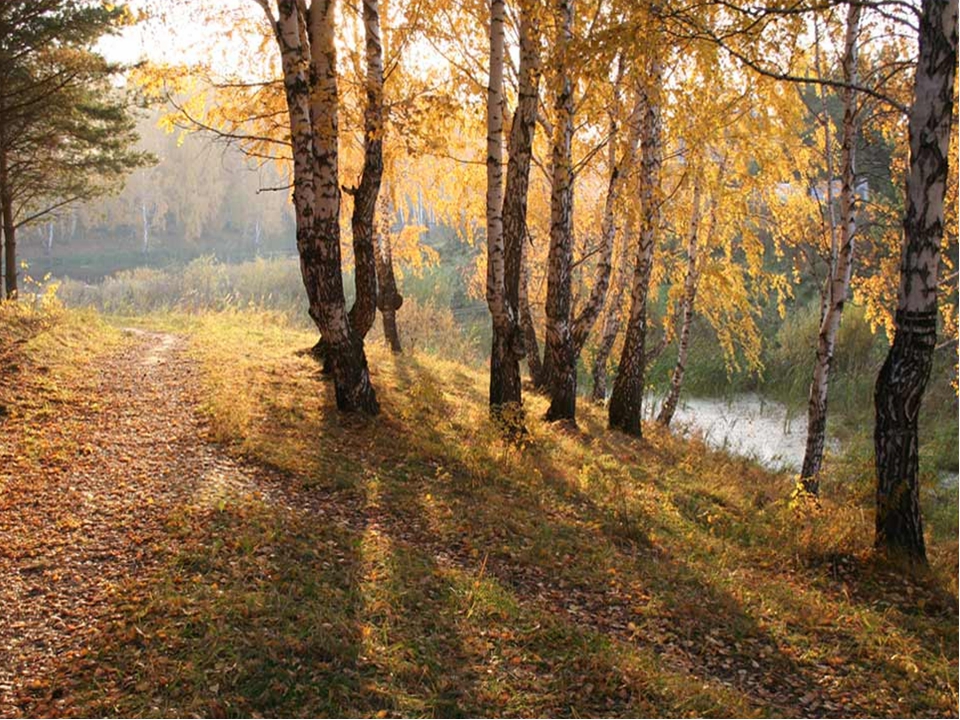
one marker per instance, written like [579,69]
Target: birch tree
[364,310]
[841,258]
[559,336]
[903,377]
[504,361]
[308,57]
[691,279]
[626,402]
[389,300]
[612,318]
[507,214]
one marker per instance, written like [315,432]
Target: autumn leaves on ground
[189,528]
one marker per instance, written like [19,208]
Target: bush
[206,285]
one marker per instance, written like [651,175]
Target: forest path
[86,496]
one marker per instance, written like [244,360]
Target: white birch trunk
[841,262]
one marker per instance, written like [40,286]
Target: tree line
[644,43]
[710,143]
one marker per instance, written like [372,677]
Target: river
[755,427]
[747,425]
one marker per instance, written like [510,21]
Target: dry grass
[421,566]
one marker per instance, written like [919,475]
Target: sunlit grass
[424,566]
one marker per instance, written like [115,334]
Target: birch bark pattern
[841,263]
[626,402]
[690,281]
[588,315]
[610,328]
[308,58]
[903,377]
[389,299]
[364,310]
[519,157]
[506,350]
[559,336]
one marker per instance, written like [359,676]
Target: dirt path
[85,499]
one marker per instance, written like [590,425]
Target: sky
[184,32]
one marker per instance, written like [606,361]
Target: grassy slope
[431,569]
[43,352]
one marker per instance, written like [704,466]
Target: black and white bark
[308,57]
[520,155]
[904,375]
[560,358]
[364,310]
[626,403]
[610,327]
[690,282]
[506,350]
[841,260]
[620,169]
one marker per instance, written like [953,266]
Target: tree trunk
[560,357]
[364,310]
[608,333]
[145,220]
[669,406]
[351,376]
[9,231]
[626,403]
[388,299]
[527,326]
[311,93]
[520,153]
[507,348]
[903,378]
[608,230]
[841,264]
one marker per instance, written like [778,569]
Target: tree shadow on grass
[416,565]
[545,537]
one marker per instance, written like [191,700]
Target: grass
[438,317]
[44,350]
[420,566]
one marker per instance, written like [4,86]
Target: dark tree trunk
[528,328]
[626,403]
[389,299]
[364,310]
[560,358]
[903,378]
[9,230]
[899,394]
[390,331]
[351,378]
[9,246]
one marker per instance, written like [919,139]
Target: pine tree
[65,134]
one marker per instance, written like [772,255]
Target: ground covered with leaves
[187,527]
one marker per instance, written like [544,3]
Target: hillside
[199,533]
